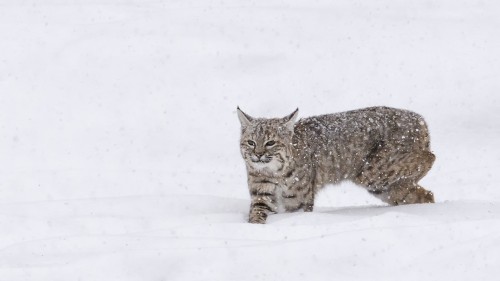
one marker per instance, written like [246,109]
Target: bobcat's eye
[251,143]
[270,143]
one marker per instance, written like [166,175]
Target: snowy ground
[119,138]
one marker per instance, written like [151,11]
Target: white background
[119,155]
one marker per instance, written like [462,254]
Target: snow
[119,137]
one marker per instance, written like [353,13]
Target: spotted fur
[385,150]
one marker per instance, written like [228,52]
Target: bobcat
[385,150]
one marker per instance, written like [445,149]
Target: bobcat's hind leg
[418,195]
[405,194]
[393,176]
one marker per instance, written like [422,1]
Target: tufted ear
[245,119]
[290,119]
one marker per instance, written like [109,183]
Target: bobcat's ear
[290,119]
[245,119]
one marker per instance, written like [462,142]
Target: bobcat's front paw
[257,217]
[308,207]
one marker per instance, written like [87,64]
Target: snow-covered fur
[385,150]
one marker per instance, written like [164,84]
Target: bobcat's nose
[259,155]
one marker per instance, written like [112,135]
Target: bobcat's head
[266,143]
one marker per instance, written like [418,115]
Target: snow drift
[119,137]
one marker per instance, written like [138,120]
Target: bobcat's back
[339,143]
